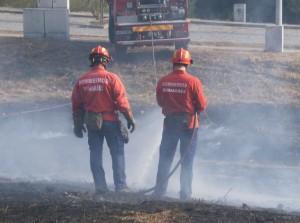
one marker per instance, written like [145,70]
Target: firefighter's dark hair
[97,59]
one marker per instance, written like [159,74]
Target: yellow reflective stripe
[185,55]
[153,28]
[174,54]
[102,49]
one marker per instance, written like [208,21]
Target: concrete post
[274,36]
[274,39]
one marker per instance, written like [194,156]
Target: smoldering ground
[244,155]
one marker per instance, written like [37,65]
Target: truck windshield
[151,2]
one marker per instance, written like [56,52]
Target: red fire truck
[147,22]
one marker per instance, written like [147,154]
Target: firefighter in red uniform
[181,98]
[96,97]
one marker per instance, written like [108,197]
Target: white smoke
[226,169]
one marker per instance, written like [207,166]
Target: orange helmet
[99,52]
[181,56]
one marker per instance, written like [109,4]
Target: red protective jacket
[180,92]
[99,91]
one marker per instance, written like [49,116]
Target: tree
[19,4]
[257,10]
[292,11]
[263,11]
[192,9]
[215,9]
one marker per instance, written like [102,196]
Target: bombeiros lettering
[93,88]
[178,87]
[173,90]
[93,81]
[174,84]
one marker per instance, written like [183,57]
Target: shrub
[92,6]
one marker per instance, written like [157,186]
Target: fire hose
[153,52]
[179,161]
[4,115]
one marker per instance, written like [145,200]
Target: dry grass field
[252,93]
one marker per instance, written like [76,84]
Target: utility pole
[279,12]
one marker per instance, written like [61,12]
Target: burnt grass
[49,202]
[252,93]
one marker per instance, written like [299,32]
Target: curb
[11,10]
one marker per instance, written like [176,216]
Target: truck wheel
[183,45]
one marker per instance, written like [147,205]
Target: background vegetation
[92,6]
[257,10]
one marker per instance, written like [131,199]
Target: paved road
[203,33]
